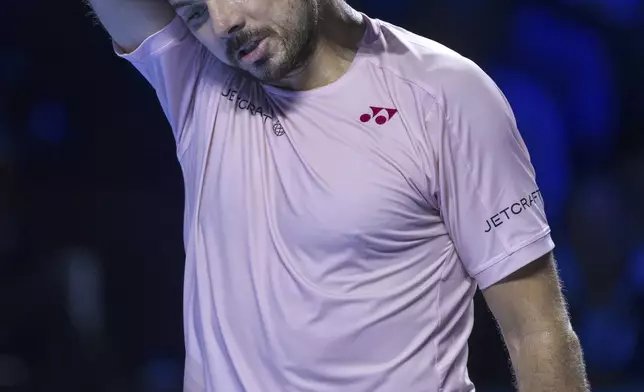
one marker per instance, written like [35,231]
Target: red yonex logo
[380,119]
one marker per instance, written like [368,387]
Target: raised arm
[130,22]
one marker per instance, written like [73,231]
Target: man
[348,185]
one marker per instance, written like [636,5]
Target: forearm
[548,362]
[130,22]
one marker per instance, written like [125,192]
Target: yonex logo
[380,116]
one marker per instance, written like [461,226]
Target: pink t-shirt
[335,237]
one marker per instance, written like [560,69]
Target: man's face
[267,38]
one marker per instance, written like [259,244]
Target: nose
[226,17]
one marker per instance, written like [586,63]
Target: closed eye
[197,14]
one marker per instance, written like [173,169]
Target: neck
[340,31]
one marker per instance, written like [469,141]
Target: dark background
[91,195]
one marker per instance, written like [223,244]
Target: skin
[532,316]
[308,43]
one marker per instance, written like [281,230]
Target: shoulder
[443,74]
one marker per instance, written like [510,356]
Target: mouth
[252,51]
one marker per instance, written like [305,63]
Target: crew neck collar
[372,31]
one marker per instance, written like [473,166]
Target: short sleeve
[172,61]
[485,184]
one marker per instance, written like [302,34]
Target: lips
[252,51]
[248,48]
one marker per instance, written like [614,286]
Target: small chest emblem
[380,115]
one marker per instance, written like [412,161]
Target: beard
[297,38]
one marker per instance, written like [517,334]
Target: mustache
[243,38]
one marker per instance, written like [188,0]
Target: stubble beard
[298,45]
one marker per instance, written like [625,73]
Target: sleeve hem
[539,246]
[174,32]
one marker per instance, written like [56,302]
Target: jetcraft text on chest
[246,104]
